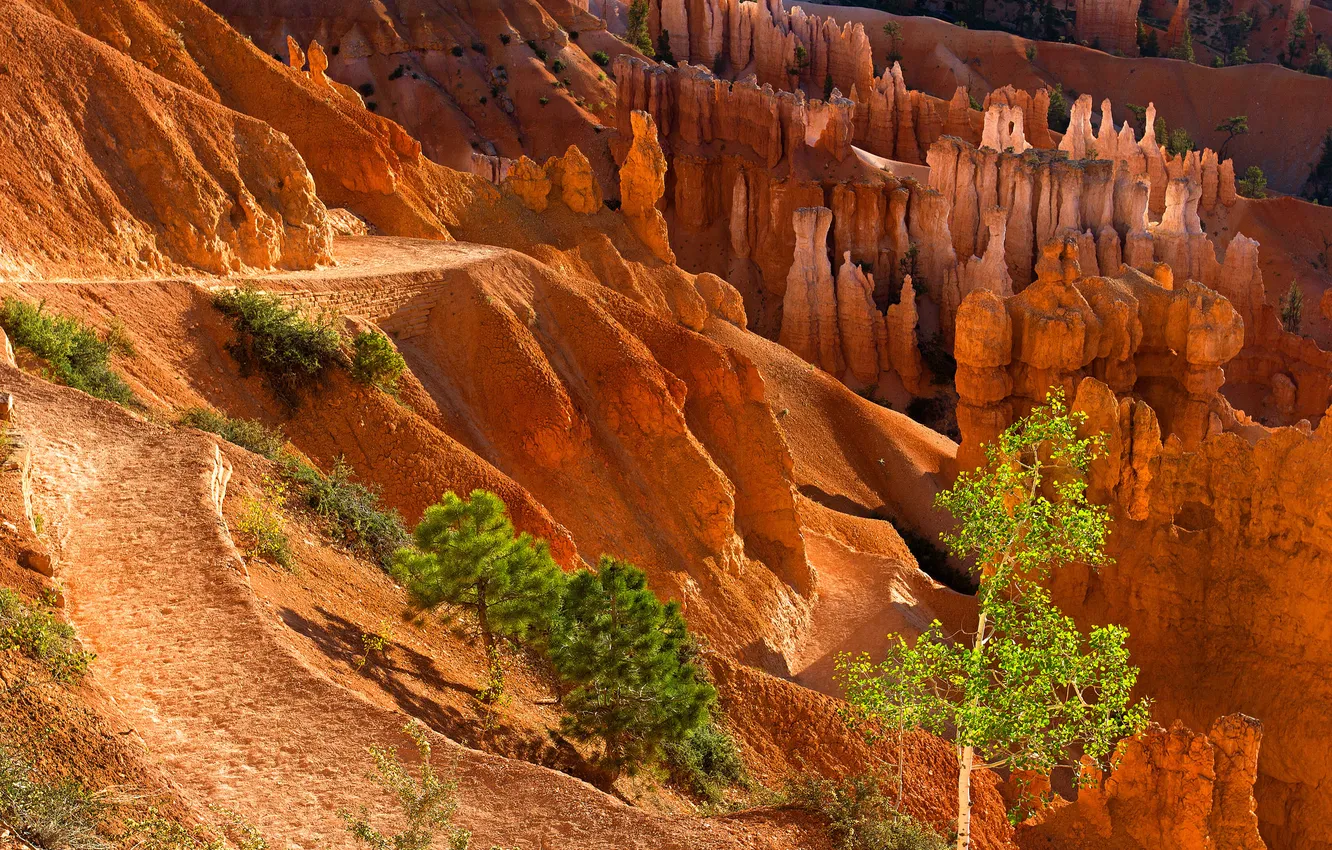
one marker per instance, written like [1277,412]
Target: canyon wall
[1109,25]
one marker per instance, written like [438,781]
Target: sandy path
[159,592]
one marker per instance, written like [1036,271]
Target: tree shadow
[396,669]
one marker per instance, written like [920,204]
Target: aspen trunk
[965,757]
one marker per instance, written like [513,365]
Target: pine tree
[1235,125]
[628,657]
[1292,308]
[637,33]
[1318,187]
[467,555]
[1028,690]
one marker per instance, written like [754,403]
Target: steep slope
[231,712]
[108,168]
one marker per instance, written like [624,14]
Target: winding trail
[157,589]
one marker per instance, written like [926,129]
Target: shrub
[428,801]
[1253,184]
[629,658]
[478,47]
[351,512]
[42,637]
[541,54]
[706,761]
[61,815]
[75,355]
[601,58]
[249,434]
[376,362]
[543,100]
[366,89]
[573,35]
[291,348]
[456,50]
[557,66]
[505,38]
[859,816]
[261,521]
[1031,53]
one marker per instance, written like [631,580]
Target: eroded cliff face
[162,179]
[1168,789]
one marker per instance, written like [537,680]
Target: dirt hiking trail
[158,590]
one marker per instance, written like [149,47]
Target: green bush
[1253,184]
[291,348]
[557,66]
[75,354]
[351,511]
[42,637]
[1058,114]
[249,434]
[61,815]
[706,761]
[376,362]
[859,816]
[601,58]
[428,801]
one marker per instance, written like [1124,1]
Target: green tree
[893,30]
[1253,184]
[1321,63]
[468,555]
[628,657]
[637,33]
[1318,187]
[1058,114]
[1235,125]
[664,54]
[1292,308]
[1238,56]
[1029,691]
[1184,50]
[1299,28]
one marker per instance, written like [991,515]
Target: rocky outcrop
[529,183]
[1165,345]
[835,323]
[162,178]
[642,183]
[1109,25]
[809,310]
[571,175]
[1168,789]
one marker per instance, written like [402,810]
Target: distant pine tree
[1292,308]
[467,555]
[628,657]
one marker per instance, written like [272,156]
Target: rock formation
[1168,345]
[1109,25]
[642,183]
[528,181]
[212,189]
[1168,789]
[809,310]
